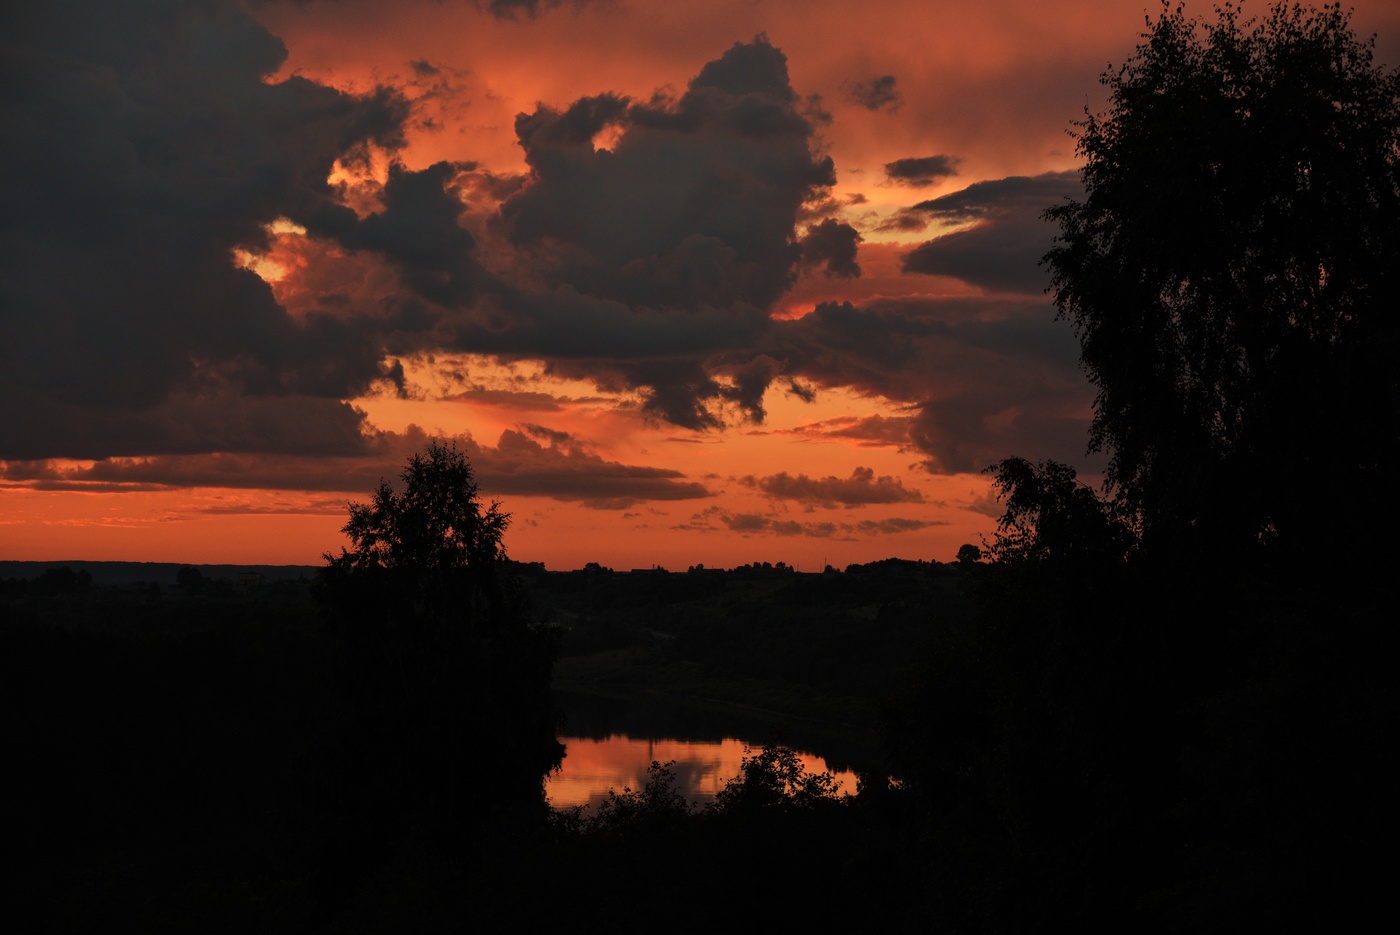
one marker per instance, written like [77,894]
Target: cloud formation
[644,250]
[860,489]
[878,93]
[921,171]
[867,432]
[694,205]
[141,147]
[519,10]
[715,519]
[1001,251]
[832,246]
[527,461]
[982,376]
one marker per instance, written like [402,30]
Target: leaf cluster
[1052,516]
[774,779]
[433,548]
[1233,270]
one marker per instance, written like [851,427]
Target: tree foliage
[657,807]
[1233,275]
[452,675]
[433,549]
[775,777]
[1161,714]
[1052,517]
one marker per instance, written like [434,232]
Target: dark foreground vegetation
[806,645]
[354,753]
[1165,705]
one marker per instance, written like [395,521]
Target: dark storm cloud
[695,203]
[860,489]
[920,171]
[183,423]
[1002,250]
[877,93]
[985,378]
[562,468]
[140,147]
[417,229]
[832,245]
[146,147]
[663,254]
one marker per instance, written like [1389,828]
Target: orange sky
[610,260]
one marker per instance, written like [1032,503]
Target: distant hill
[110,574]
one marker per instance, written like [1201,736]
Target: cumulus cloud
[832,246]
[141,146]
[878,93]
[661,255]
[920,171]
[647,266]
[643,250]
[417,229]
[860,489]
[694,205]
[1002,250]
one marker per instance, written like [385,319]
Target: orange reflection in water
[592,767]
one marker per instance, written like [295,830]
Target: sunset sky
[696,282]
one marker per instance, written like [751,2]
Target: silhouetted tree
[1051,517]
[454,677]
[1233,274]
[775,777]
[432,550]
[189,579]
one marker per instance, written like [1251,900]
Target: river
[611,741]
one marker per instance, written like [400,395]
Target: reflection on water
[702,767]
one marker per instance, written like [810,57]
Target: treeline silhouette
[802,644]
[315,756]
[228,759]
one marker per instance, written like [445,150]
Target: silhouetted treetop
[434,545]
[1052,517]
[1233,275]
[436,523]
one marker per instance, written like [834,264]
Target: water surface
[610,742]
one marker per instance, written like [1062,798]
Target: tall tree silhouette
[1233,274]
[1163,714]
